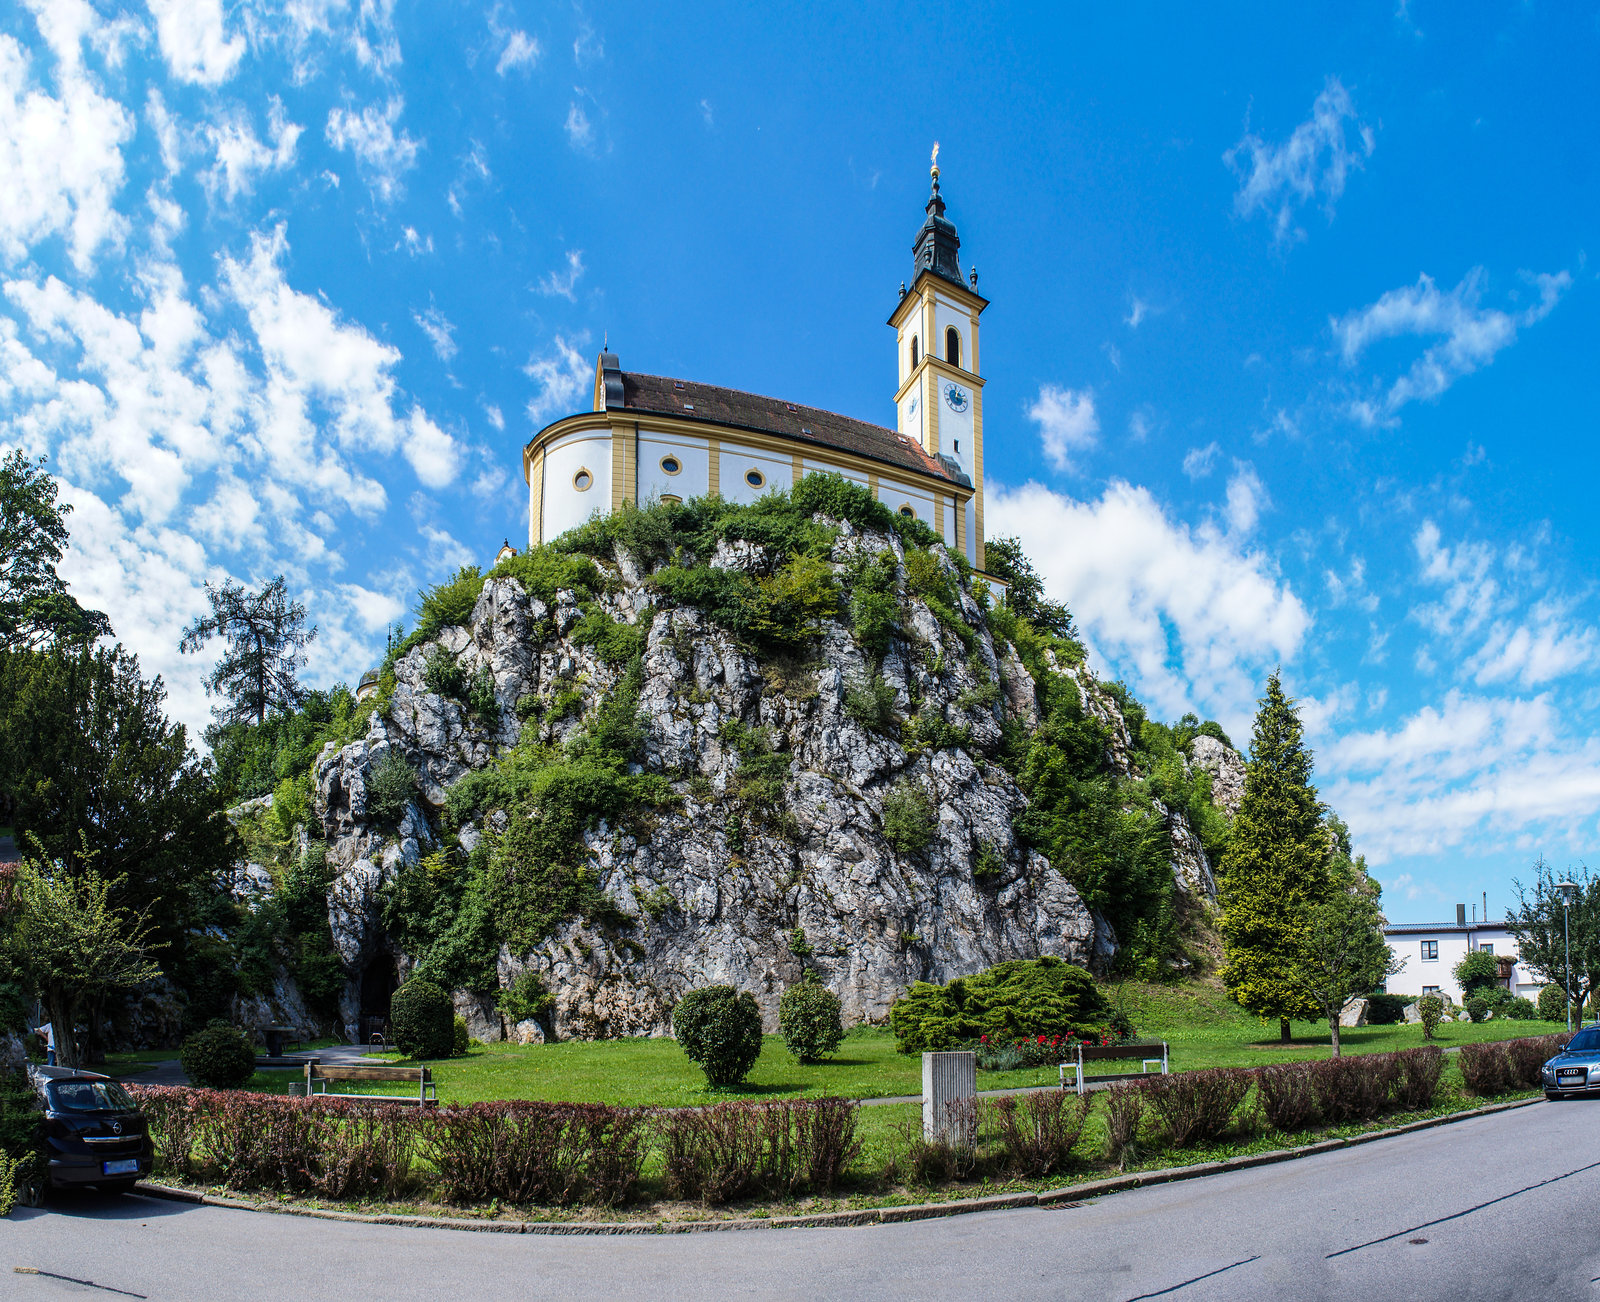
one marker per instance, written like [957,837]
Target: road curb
[1067,1196]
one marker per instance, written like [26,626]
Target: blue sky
[1290,356]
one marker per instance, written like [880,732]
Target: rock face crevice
[814,882]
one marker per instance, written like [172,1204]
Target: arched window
[913,352]
[952,346]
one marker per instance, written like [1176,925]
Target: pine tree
[1275,872]
[266,636]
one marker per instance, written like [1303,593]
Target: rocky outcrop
[703,893]
[1226,767]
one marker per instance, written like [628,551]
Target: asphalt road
[1506,1206]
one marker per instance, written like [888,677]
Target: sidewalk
[170,1071]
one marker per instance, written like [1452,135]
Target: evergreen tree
[35,607]
[266,636]
[1276,870]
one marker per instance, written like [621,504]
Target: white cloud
[241,158]
[562,375]
[1137,311]
[61,160]
[1199,462]
[1470,335]
[1140,425]
[563,283]
[519,51]
[1470,590]
[580,131]
[193,41]
[440,332]
[1316,159]
[1067,423]
[1473,771]
[1188,615]
[433,454]
[495,416]
[382,153]
[707,114]
[1247,496]
[1544,647]
[416,245]
[375,610]
[588,46]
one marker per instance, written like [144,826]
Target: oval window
[907,511]
[671,465]
[754,478]
[583,481]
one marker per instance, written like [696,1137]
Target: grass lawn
[1202,1028]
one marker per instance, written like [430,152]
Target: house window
[583,481]
[754,478]
[671,465]
[913,352]
[1485,949]
[952,346]
[1429,990]
[1430,951]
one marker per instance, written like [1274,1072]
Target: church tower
[939,396]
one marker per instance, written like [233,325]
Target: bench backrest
[1104,1053]
[414,1075]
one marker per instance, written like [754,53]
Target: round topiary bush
[220,1057]
[422,1020]
[1521,1010]
[809,1020]
[1477,1008]
[1552,1004]
[460,1040]
[720,1030]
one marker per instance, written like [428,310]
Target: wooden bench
[1114,1053]
[318,1075]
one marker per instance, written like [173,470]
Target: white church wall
[894,494]
[565,505]
[737,461]
[693,456]
[947,314]
[955,428]
[809,466]
[911,414]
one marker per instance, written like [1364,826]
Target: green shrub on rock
[1025,997]
[720,1030]
[422,1020]
[1552,1004]
[809,1019]
[909,820]
[392,784]
[220,1057]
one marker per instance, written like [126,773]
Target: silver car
[1576,1069]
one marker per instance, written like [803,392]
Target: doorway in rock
[378,984]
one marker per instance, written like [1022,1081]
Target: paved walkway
[170,1071]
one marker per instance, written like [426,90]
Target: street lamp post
[1568,890]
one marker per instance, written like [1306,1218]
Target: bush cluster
[1552,1004]
[740,1150]
[720,1030]
[809,1019]
[219,1057]
[422,1020]
[1490,1069]
[1021,999]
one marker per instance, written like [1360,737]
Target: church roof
[688,400]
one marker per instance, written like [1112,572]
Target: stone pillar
[950,1097]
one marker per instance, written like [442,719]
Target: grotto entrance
[378,984]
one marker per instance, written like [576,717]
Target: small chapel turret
[939,396]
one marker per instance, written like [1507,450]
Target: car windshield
[90,1096]
[1585,1041]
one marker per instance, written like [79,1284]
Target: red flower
[1041,1039]
[983,1039]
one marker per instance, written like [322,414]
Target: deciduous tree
[1542,938]
[35,607]
[1276,870]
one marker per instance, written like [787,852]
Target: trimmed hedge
[1025,998]
[422,1019]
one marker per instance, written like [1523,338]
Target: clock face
[955,397]
[911,407]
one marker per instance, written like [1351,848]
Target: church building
[653,437]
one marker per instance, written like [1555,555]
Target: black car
[94,1133]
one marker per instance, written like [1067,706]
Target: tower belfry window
[913,352]
[952,346]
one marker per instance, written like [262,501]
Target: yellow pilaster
[799,467]
[536,499]
[714,468]
[624,465]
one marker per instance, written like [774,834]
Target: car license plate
[122,1166]
[1571,1077]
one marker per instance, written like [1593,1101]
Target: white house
[1431,951]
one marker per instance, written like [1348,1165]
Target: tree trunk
[1333,1026]
[1283,1030]
[63,1013]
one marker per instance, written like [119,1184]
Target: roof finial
[933,171]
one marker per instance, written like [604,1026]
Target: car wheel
[31,1190]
